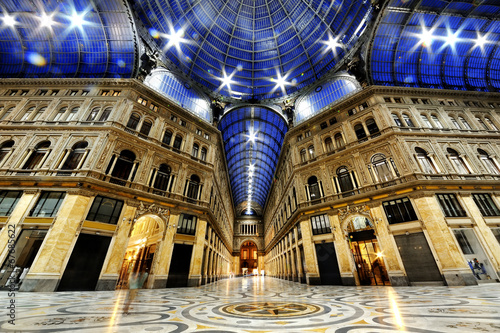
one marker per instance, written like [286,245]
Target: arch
[37,156]
[124,165]
[146,126]
[72,114]
[177,141]
[457,161]
[408,120]
[6,148]
[249,257]
[196,149]
[371,125]
[488,162]
[167,137]
[425,162]
[133,121]
[329,144]
[360,131]
[76,156]
[204,152]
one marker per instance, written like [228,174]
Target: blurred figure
[135,282]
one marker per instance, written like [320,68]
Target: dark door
[328,266]
[85,263]
[417,258]
[179,266]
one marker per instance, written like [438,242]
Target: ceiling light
[481,40]
[426,37]
[452,39]
[252,136]
[46,20]
[175,38]
[333,43]
[77,20]
[281,82]
[9,20]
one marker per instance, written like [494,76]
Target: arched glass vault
[252,136]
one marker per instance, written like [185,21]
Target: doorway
[26,248]
[329,271]
[178,274]
[85,263]
[249,259]
[368,256]
[142,246]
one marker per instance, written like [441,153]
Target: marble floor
[257,304]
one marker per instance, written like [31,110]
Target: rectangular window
[308,134]
[173,118]
[24,92]
[399,210]
[450,205]
[105,210]
[397,100]
[105,93]
[486,204]
[142,101]
[206,136]
[12,93]
[299,137]
[463,241]
[320,224]
[351,112]
[323,125]
[116,93]
[198,131]
[54,92]
[48,204]
[182,123]
[42,92]
[187,224]
[85,92]
[333,121]
[153,107]
[387,100]
[8,201]
[73,92]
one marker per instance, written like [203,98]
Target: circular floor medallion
[271,309]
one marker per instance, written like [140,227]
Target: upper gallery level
[117,135]
[382,140]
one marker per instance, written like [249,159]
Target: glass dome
[255,49]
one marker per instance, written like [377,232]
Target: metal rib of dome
[254,43]
[252,137]
[438,44]
[66,39]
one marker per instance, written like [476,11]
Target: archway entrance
[143,243]
[366,252]
[249,259]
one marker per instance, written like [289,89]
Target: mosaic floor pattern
[257,304]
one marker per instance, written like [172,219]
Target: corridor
[258,304]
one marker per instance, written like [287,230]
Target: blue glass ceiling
[80,38]
[255,48]
[438,44]
[252,137]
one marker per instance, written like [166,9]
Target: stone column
[164,254]
[389,249]
[195,272]
[48,267]
[311,264]
[118,247]
[344,255]
[449,257]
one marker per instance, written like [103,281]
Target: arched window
[464,122]
[75,157]
[196,148]
[310,149]
[457,161]
[105,114]
[425,161]
[37,157]
[73,113]
[314,188]
[381,168]
[146,127]
[133,121]
[488,162]
[329,144]
[60,114]
[27,113]
[339,141]
[124,165]
[483,125]
[5,149]
[360,131]
[490,123]
[203,156]
[436,121]
[7,113]
[177,142]
[345,182]
[167,137]
[193,185]
[397,120]
[162,178]
[455,123]
[408,120]
[39,113]
[426,121]
[93,114]
[372,127]
[303,157]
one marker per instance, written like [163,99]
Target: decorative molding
[164,213]
[345,212]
